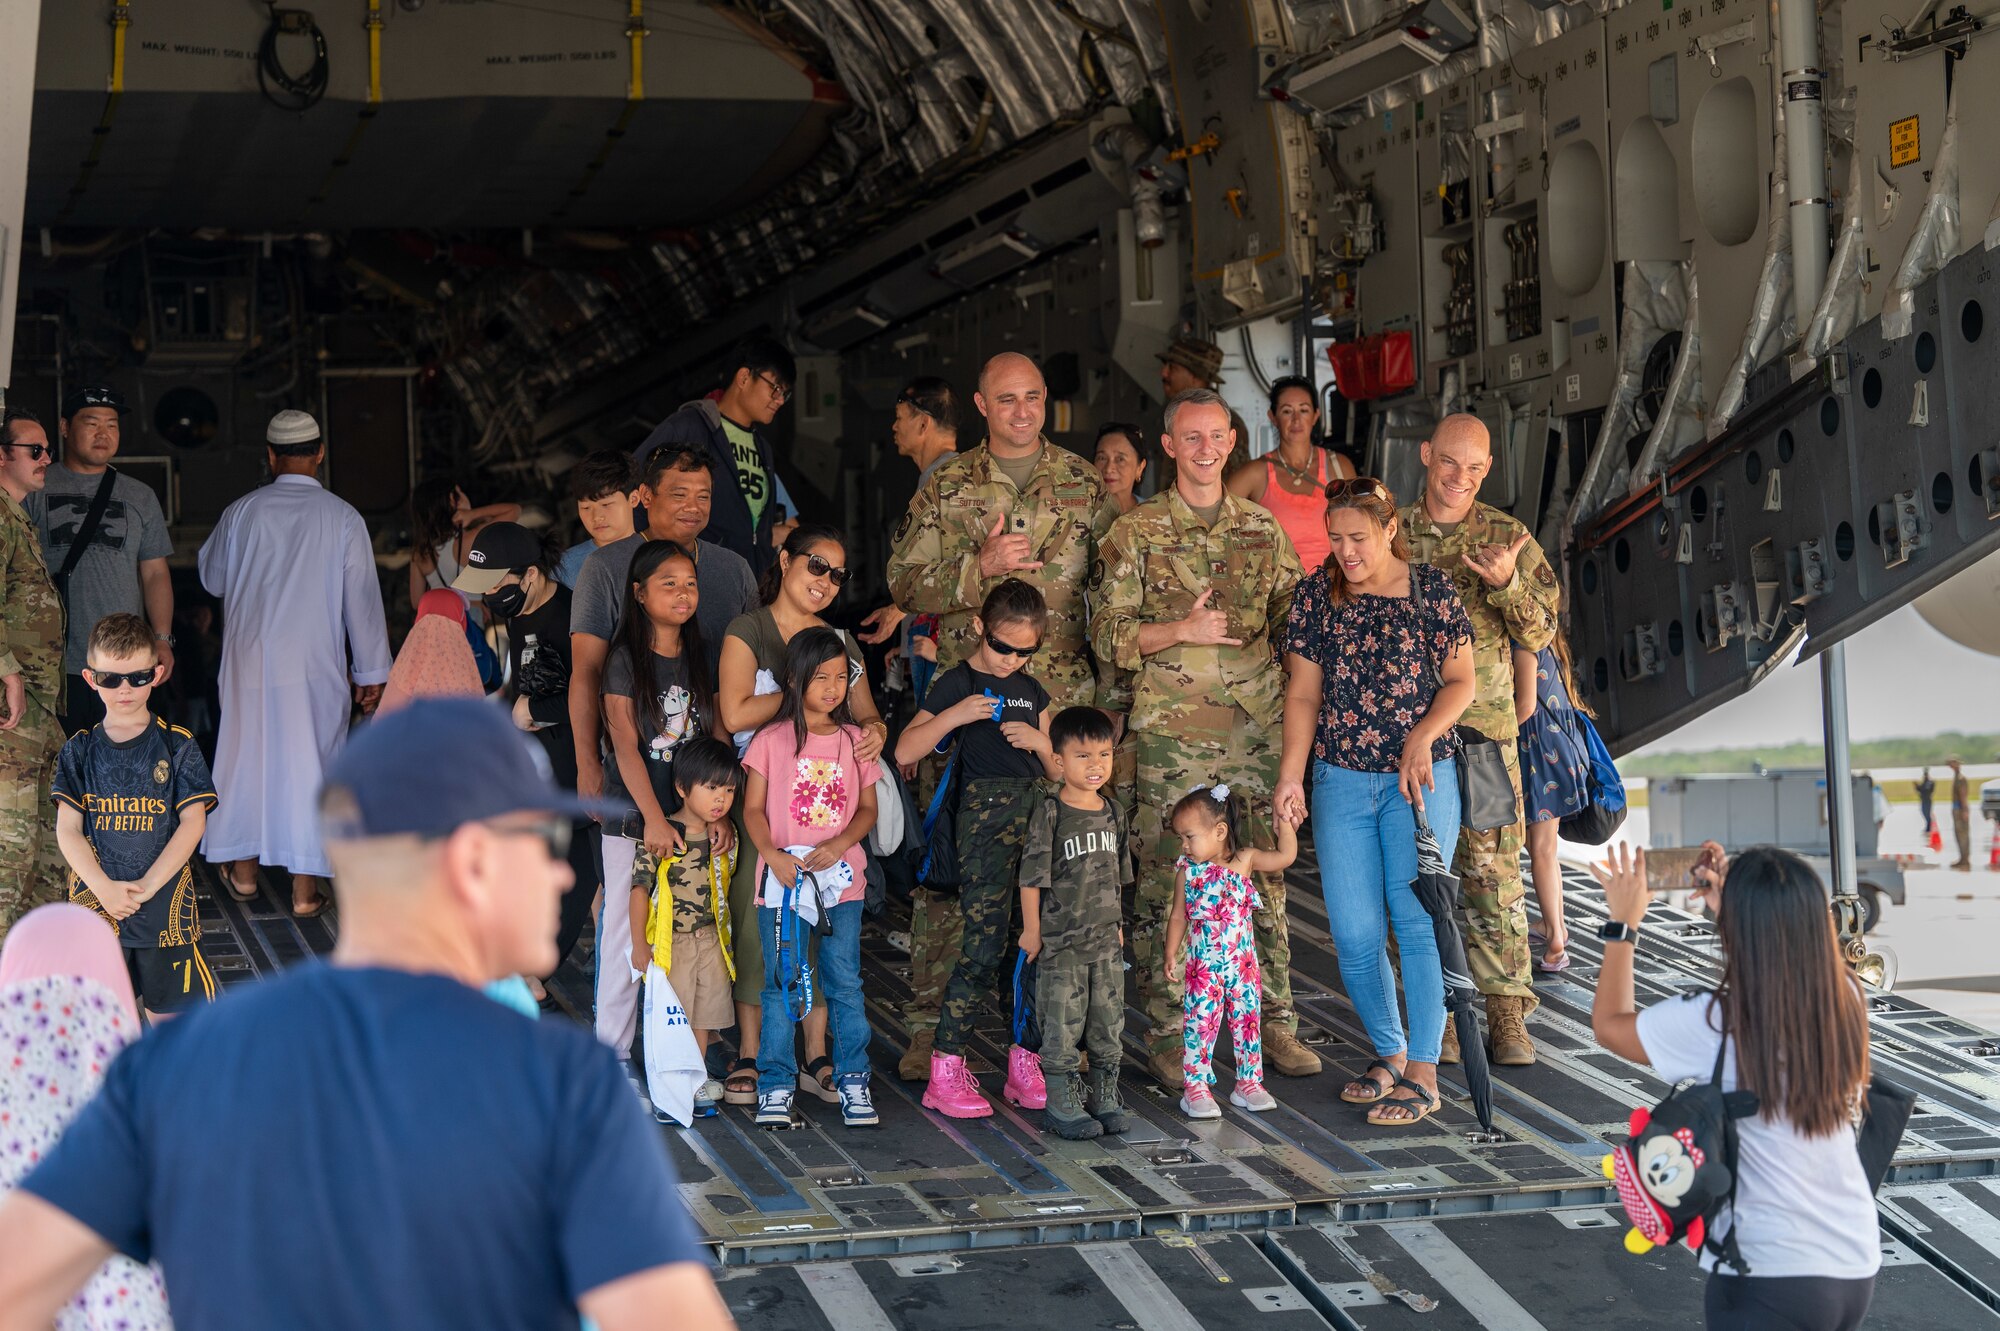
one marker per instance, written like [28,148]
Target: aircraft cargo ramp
[1305,1217]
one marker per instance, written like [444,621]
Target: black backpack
[1678,1166]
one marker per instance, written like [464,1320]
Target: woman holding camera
[1797,1029]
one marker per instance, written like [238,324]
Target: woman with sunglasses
[1291,479]
[1378,663]
[797,590]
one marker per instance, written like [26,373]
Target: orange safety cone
[1993,844]
[1937,840]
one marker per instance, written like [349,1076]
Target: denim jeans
[1365,833]
[836,982]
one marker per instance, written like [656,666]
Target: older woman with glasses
[1378,656]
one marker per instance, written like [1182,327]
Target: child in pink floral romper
[1213,919]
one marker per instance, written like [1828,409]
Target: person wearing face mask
[510,572]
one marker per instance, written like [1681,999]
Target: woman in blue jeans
[1373,690]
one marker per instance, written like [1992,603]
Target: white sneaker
[1198,1102]
[1253,1097]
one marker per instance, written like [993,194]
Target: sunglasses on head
[1358,486]
[138,679]
[1005,649]
[35,451]
[819,568]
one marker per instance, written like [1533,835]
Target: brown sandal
[1366,1080]
[1418,1109]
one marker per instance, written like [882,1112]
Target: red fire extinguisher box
[1376,366]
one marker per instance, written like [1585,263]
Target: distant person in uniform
[122,563]
[745,517]
[1961,813]
[31,681]
[455,1163]
[1291,479]
[925,432]
[1196,630]
[605,489]
[1510,593]
[1014,506]
[1926,799]
[1880,802]
[295,571]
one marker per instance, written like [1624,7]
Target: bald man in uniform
[1016,506]
[1510,594]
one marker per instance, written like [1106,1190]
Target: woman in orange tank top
[1291,480]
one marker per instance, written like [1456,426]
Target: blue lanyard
[1020,1000]
[791,947]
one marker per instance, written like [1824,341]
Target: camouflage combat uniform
[934,569]
[1077,859]
[993,815]
[31,867]
[1488,864]
[1202,714]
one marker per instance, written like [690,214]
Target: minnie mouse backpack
[1678,1166]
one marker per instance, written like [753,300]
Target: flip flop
[1549,963]
[319,905]
[229,884]
[1420,1109]
[1365,1080]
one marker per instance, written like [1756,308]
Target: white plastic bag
[833,882]
[674,1068]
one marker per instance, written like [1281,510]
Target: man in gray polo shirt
[123,566]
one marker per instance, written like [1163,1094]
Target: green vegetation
[1910,751]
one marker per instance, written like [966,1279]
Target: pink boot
[952,1090]
[1025,1088]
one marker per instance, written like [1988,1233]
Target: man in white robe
[296,575]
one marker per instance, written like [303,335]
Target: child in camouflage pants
[1073,866]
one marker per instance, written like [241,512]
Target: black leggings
[1786,1303]
[585,844]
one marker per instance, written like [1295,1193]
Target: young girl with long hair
[657,697]
[1555,777]
[1212,916]
[1796,1027]
[808,801]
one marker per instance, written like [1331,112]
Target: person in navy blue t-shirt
[384,1145]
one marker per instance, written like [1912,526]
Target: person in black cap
[450,1162]
[510,571]
[106,543]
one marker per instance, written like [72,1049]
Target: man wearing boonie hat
[295,571]
[105,541]
[450,1162]
[1189,362]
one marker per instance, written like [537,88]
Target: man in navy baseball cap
[469,1166]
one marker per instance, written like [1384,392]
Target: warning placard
[1904,146]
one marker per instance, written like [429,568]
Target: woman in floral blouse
[1371,636]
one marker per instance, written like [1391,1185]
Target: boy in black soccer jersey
[132,796]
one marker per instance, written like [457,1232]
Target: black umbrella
[1437,888]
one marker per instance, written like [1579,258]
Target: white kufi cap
[289,429]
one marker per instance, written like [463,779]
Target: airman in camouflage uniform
[31,868]
[970,526]
[1510,594]
[1190,605]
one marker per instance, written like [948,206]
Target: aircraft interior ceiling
[1712,270]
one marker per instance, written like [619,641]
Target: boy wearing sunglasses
[998,718]
[132,797]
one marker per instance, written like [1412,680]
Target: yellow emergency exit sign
[1903,142]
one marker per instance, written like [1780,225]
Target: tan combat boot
[1286,1055]
[1507,1031]
[1449,1053]
[916,1064]
[1165,1065]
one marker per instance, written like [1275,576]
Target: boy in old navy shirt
[1073,869]
[998,718]
[132,797]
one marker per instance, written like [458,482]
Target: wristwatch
[1617,931]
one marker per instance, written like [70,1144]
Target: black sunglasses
[35,451]
[1006,650]
[819,568]
[138,679]
[553,832]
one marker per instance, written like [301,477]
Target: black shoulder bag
[1487,800]
[86,533]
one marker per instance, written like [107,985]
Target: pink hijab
[68,940]
[436,660]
